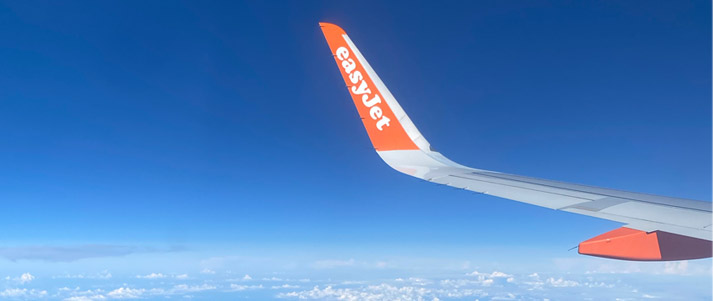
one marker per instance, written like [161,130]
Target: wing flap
[503,190]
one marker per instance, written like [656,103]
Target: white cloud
[22,279]
[284,286]
[459,283]
[419,281]
[494,274]
[385,291]
[76,295]
[25,278]
[474,273]
[496,285]
[677,268]
[497,274]
[182,288]
[373,292]
[484,279]
[492,285]
[161,276]
[126,293]
[238,287]
[598,284]
[23,293]
[559,282]
[207,271]
[351,282]
[151,276]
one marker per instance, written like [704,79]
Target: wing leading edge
[656,227]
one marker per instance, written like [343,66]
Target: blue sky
[205,141]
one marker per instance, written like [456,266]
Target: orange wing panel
[623,243]
[382,126]
[630,244]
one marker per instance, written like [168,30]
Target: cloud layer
[73,253]
[474,284]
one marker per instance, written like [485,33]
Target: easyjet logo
[362,89]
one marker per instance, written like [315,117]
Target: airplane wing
[657,228]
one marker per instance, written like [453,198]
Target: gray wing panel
[637,210]
[641,197]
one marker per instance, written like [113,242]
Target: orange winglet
[382,126]
[630,244]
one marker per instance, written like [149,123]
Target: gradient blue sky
[180,137]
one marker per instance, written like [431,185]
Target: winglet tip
[331,27]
